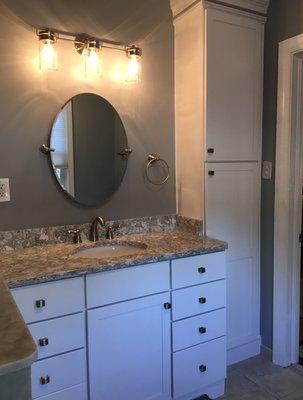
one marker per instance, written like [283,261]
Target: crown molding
[259,6]
[178,6]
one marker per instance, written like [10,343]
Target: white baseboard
[244,351]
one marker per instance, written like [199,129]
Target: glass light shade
[48,55]
[134,68]
[93,67]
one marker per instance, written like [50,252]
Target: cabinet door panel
[234,86]
[232,207]
[232,214]
[129,350]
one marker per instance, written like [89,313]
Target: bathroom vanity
[147,326]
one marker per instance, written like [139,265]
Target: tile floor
[258,379]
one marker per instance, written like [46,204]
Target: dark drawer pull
[211,173]
[40,303]
[43,342]
[202,300]
[167,306]
[202,330]
[202,368]
[210,150]
[44,380]
[201,270]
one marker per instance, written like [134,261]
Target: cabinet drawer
[63,371]
[51,299]
[78,392]
[187,375]
[129,283]
[59,335]
[202,328]
[198,299]
[198,269]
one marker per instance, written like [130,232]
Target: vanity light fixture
[90,48]
[134,67]
[48,57]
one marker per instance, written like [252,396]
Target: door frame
[288,204]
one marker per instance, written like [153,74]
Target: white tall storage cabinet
[219,89]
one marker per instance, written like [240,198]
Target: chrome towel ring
[151,159]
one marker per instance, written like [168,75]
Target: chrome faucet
[94,235]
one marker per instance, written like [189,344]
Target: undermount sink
[110,250]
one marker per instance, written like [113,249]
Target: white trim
[288,203]
[260,6]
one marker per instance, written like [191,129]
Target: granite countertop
[57,261]
[17,348]
[52,262]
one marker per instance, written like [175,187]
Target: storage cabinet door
[129,350]
[234,86]
[232,214]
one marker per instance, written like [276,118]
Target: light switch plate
[4,190]
[267,170]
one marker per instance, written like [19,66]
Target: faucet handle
[77,235]
[110,230]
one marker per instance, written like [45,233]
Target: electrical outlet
[267,170]
[4,190]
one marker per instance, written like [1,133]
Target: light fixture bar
[72,37]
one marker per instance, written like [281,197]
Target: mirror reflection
[89,149]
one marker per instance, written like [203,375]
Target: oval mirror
[89,149]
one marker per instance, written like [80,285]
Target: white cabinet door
[234,56]
[232,214]
[129,350]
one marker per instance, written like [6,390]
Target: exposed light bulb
[93,66]
[134,64]
[48,56]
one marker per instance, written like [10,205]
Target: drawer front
[51,299]
[78,392]
[198,299]
[129,283]
[202,328]
[63,371]
[59,335]
[198,269]
[188,367]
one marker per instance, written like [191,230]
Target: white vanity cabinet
[154,331]
[219,91]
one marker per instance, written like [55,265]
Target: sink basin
[110,250]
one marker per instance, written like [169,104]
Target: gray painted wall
[30,100]
[285,19]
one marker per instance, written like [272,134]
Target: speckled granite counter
[17,348]
[51,262]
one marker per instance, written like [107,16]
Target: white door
[234,54]
[232,214]
[129,350]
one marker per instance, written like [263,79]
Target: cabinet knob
[202,330]
[211,173]
[167,306]
[202,300]
[44,380]
[40,303]
[202,368]
[43,342]
[210,150]
[201,270]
